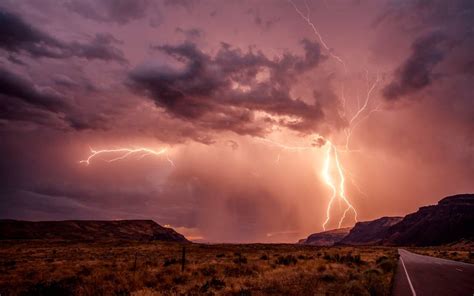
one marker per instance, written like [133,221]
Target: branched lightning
[332,153]
[124,153]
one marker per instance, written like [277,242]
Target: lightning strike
[339,190]
[329,182]
[124,153]
[342,192]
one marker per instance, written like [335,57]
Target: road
[420,275]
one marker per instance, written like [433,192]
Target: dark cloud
[18,36]
[224,91]
[12,85]
[101,47]
[417,71]
[116,11]
[22,100]
[442,53]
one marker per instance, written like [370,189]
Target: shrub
[321,268]
[386,266]
[303,257]
[264,257]
[357,259]
[240,259]
[286,260]
[354,288]
[328,278]
[58,288]
[208,271]
[180,280]
[214,283]
[380,259]
[170,261]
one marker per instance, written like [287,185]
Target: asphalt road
[424,275]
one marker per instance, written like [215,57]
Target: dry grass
[124,268]
[456,253]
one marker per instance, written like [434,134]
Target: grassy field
[124,268]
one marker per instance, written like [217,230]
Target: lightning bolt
[329,182]
[342,192]
[124,153]
[307,19]
[332,153]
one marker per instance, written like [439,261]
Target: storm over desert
[234,121]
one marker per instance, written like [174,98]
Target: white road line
[408,277]
[459,269]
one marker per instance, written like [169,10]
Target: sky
[271,118]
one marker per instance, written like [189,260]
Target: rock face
[326,238]
[137,230]
[451,220]
[369,232]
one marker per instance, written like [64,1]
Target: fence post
[135,263]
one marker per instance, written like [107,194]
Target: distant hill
[369,232]
[326,238]
[139,230]
[451,220]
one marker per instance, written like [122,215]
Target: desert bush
[240,259]
[327,277]
[321,268]
[354,288]
[264,257]
[180,279]
[63,287]
[380,259]
[375,285]
[208,271]
[357,259]
[214,283]
[286,260]
[170,261]
[304,257]
[386,265]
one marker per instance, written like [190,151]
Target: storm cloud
[225,90]
[18,36]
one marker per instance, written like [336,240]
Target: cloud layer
[231,88]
